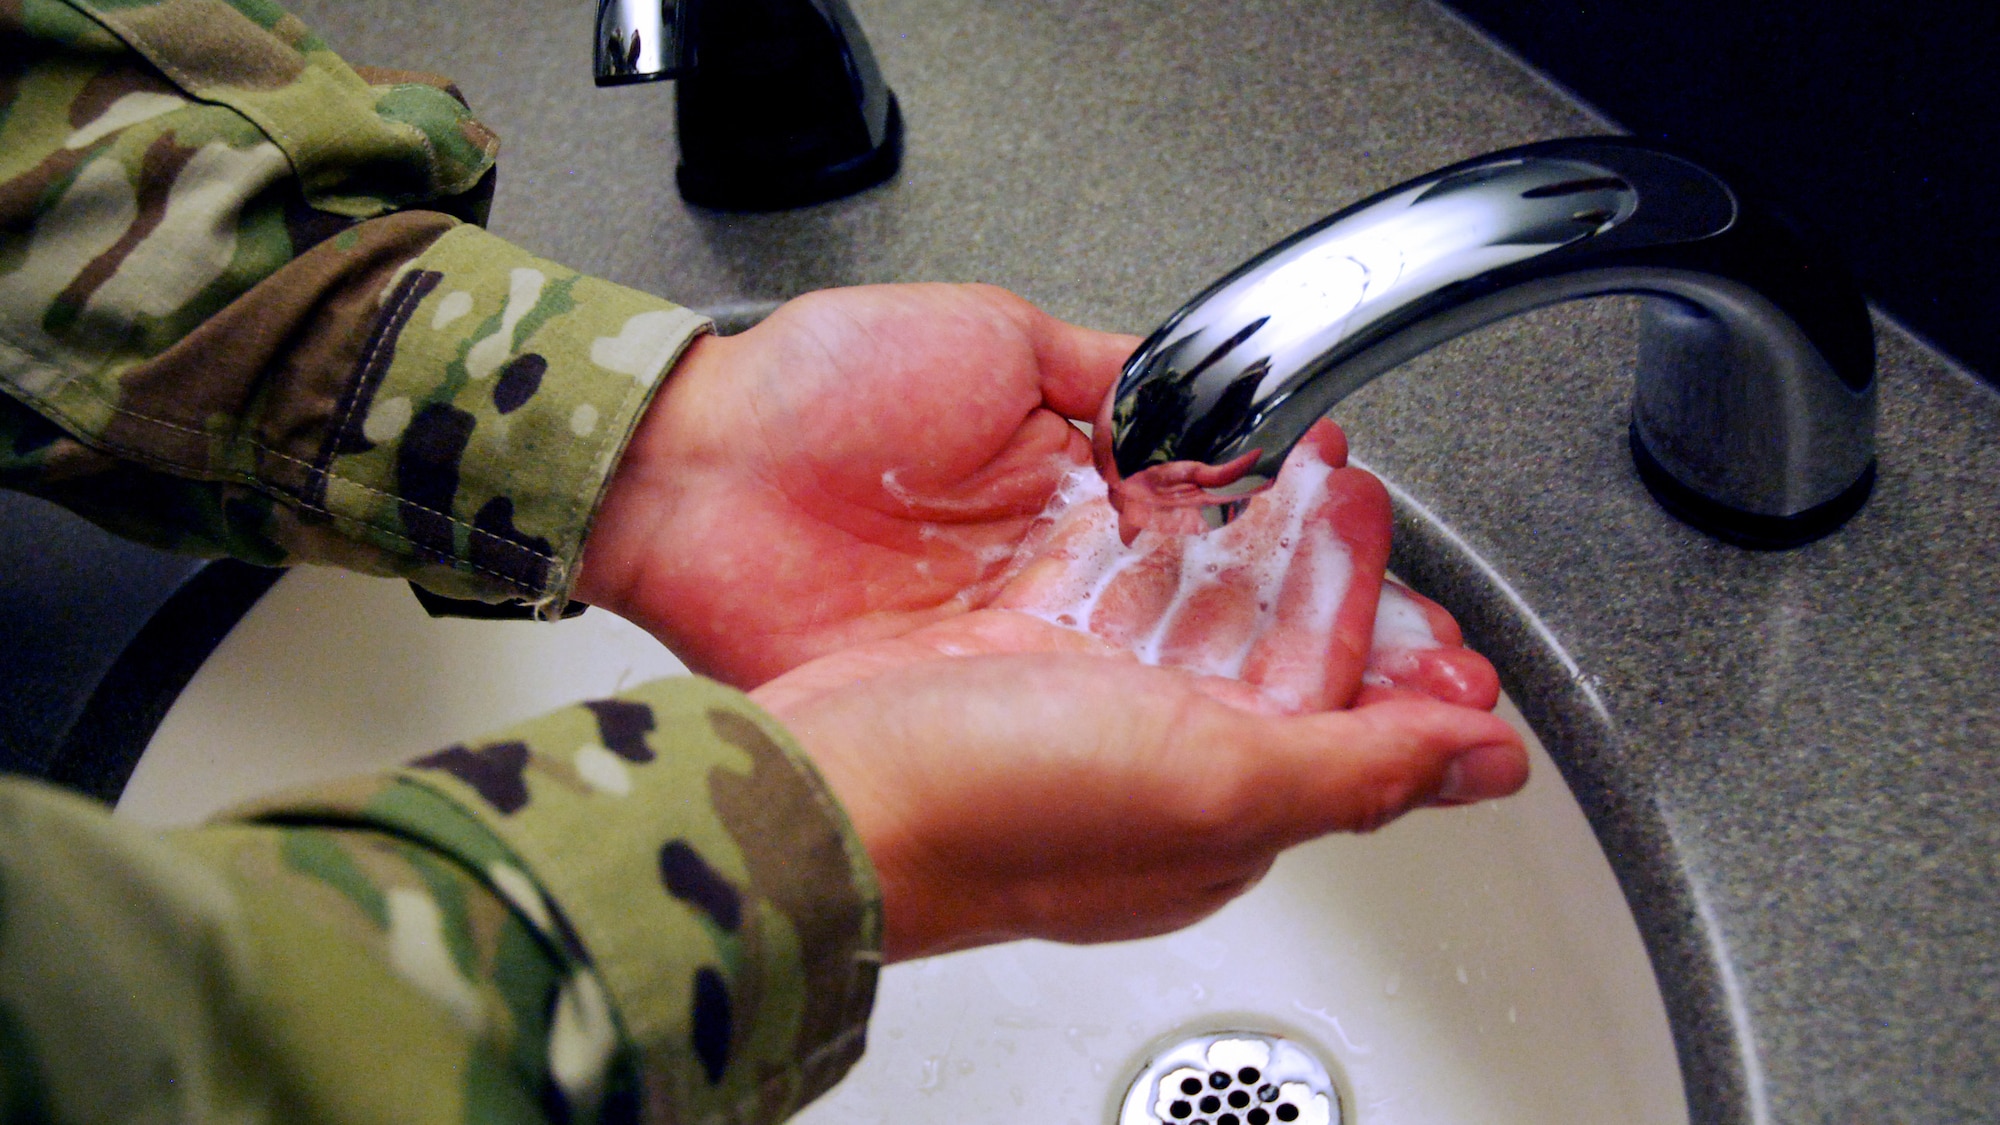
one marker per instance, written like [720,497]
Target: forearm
[640,909]
[235,316]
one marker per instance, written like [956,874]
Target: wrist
[637,506]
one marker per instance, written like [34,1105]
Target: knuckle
[1378,805]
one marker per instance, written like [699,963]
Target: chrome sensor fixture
[1753,417]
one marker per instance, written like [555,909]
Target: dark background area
[1877,123]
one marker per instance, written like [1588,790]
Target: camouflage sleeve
[239,316]
[584,919]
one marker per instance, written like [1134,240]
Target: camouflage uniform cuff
[718,889]
[493,402]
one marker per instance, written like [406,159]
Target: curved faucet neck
[1753,412]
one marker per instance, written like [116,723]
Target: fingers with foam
[1283,598]
[1418,650]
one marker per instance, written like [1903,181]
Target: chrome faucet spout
[1753,415]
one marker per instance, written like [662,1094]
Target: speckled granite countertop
[1792,758]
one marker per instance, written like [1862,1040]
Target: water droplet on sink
[933,1075]
[1513,1016]
[1462,978]
[1393,985]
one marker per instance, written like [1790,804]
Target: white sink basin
[1468,966]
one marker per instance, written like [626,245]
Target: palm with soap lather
[845,505]
[871,461]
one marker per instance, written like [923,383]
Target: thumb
[1078,365]
[1356,771]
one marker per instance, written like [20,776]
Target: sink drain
[1232,1078]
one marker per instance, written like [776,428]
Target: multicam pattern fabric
[241,312]
[637,909]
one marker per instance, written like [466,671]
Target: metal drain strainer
[1232,1078]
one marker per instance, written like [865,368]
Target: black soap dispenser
[780,104]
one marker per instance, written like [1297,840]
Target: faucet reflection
[1753,416]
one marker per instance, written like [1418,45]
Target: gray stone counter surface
[1795,770]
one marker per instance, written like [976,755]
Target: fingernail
[1481,774]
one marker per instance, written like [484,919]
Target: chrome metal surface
[639,41]
[780,105]
[1755,389]
[1232,1077]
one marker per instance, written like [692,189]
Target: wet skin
[847,509]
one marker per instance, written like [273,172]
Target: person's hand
[863,463]
[1011,778]
[1078,798]
[1307,553]
[1019,772]
[1417,651]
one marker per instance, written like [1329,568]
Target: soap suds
[1400,623]
[1235,573]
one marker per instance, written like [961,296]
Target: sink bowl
[331,674]
[1472,965]
[1477,965]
